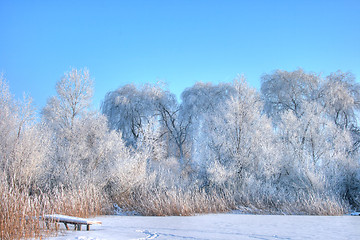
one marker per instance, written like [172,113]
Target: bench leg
[88,227]
[77,227]
[66,225]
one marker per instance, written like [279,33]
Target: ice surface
[220,226]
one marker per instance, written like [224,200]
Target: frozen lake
[220,226]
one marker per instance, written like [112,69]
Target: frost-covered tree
[316,153]
[339,94]
[80,136]
[23,144]
[284,91]
[137,111]
[128,110]
[85,151]
[241,139]
[7,120]
[199,103]
[74,94]
[316,121]
[341,98]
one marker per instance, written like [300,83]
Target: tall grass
[166,196]
[192,203]
[175,201]
[261,201]
[84,202]
[20,213]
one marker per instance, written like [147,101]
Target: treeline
[291,148]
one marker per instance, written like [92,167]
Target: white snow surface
[219,226]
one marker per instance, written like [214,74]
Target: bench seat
[77,222]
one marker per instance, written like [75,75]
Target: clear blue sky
[179,42]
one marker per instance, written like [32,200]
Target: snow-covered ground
[220,226]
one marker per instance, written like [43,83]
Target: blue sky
[177,42]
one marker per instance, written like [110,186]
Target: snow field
[220,226]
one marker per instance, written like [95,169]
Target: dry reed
[20,214]
[79,202]
[175,202]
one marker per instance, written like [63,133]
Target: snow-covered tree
[137,111]
[199,103]
[80,136]
[128,110]
[341,98]
[23,144]
[74,94]
[284,91]
[241,139]
[316,121]
[316,153]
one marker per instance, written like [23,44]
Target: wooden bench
[77,222]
